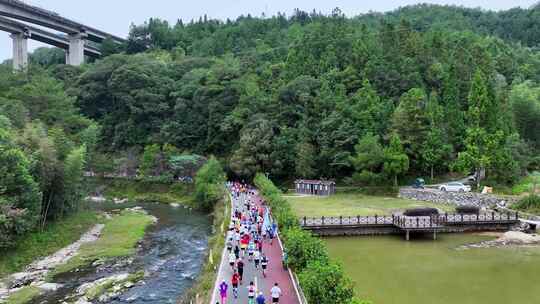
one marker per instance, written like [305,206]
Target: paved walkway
[275,272]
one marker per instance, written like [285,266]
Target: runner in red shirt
[234,282]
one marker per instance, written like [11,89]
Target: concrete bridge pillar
[20,51]
[75,54]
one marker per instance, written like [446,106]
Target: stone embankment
[455,198]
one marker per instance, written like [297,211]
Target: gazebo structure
[314,187]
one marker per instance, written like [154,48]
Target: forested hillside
[516,25]
[322,96]
[420,91]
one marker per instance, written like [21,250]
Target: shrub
[468,210]
[210,184]
[303,248]
[325,283]
[530,203]
[421,212]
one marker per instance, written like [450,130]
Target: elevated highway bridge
[76,34]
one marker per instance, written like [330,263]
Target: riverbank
[113,238]
[118,239]
[37,244]
[122,190]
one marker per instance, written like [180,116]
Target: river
[171,254]
[387,269]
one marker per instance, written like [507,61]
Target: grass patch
[526,184]
[24,295]
[118,238]
[529,204]
[146,191]
[38,244]
[205,282]
[100,289]
[352,204]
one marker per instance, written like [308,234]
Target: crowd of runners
[250,230]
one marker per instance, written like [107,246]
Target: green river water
[389,270]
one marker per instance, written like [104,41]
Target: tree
[255,148]
[435,150]
[480,145]
[210,184]
[72,181]
[89,137]
[411,123]
[186,164]
[525,102]
[369,111]
[454,117]
[368,159]
[305,160]
[396,161]
[149,160]
[20,199]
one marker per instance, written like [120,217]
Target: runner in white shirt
[251,293]
[276,293]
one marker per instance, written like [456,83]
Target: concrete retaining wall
[455,198]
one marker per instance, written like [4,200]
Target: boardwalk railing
[346,221]
[418,222]
[409,222]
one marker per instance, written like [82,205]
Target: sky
[115,16]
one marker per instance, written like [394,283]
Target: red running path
[275,272]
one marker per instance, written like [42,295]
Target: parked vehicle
[419,183]
[455,187]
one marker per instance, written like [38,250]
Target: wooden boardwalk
[407,224]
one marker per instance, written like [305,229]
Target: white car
[455,187]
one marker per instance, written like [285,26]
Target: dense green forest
[317,95]
[420,91]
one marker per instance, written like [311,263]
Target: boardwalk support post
[407,235]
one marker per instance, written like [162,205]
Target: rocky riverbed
[36,272]
[167,262]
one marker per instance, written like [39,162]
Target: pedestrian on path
[223,292]
[232,259]
[275,292]
[264,264]
[257,258]
[274,232]
[260,298]
[234,282]
[251,250]
[240,266]
[251,293]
